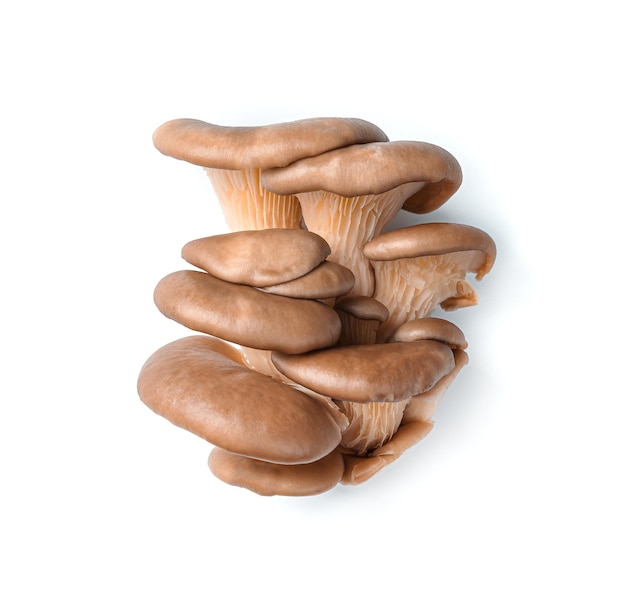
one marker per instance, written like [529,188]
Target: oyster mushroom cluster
[318,360]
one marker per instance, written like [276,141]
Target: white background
[518,491]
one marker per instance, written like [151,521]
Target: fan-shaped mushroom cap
[266,146]
[195,383]
[258,257]
[348,195]
[436,329]
[420,267]
[324,282]
[363,373]
[244,315]
[363,308]
[434,238]
[269,479]
[429,173]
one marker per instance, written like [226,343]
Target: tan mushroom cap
[363,308]
[195,384]
[323,282]
[363,373]
[258,257]
[244,315]
[235,148]
[436,329]
[433,238]
[431,174]
[270,479]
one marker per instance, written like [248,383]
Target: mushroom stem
[348,223]
[247,205]
[371,424]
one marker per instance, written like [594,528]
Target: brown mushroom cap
[323,282]
[436,329]
[258,257]
[433,238]
[429,172]
[363,308]
[236,148]
[244,315]
[269,479]
[195,384]
[363,373]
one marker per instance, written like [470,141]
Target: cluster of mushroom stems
[318,360]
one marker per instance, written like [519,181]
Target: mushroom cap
[364,373]
[431,174]
[194,383]
[327,280]
[436,329]
[244,315]
[362,307]
[258,257]
[433,238]
[237,148]
[270,479]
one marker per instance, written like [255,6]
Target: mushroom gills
[247,205]
[371,424]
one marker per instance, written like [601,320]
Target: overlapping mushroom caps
[348,195]
[234,156]
[318,361]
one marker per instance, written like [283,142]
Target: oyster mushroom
[349,194]
[372,383]
[364,373]
[200,384]
[234,157]
[326,281]
[374,424]
[289,263]
[420,267]
[415,425]
[269,479]
[436,329]
[258,257]
[244,315]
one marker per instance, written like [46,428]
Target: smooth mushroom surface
[319,361]
[245,315]
[258,257]
[350,194]
[234,156]
[196,384]
[270,479]
[431,328]
[369,373]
